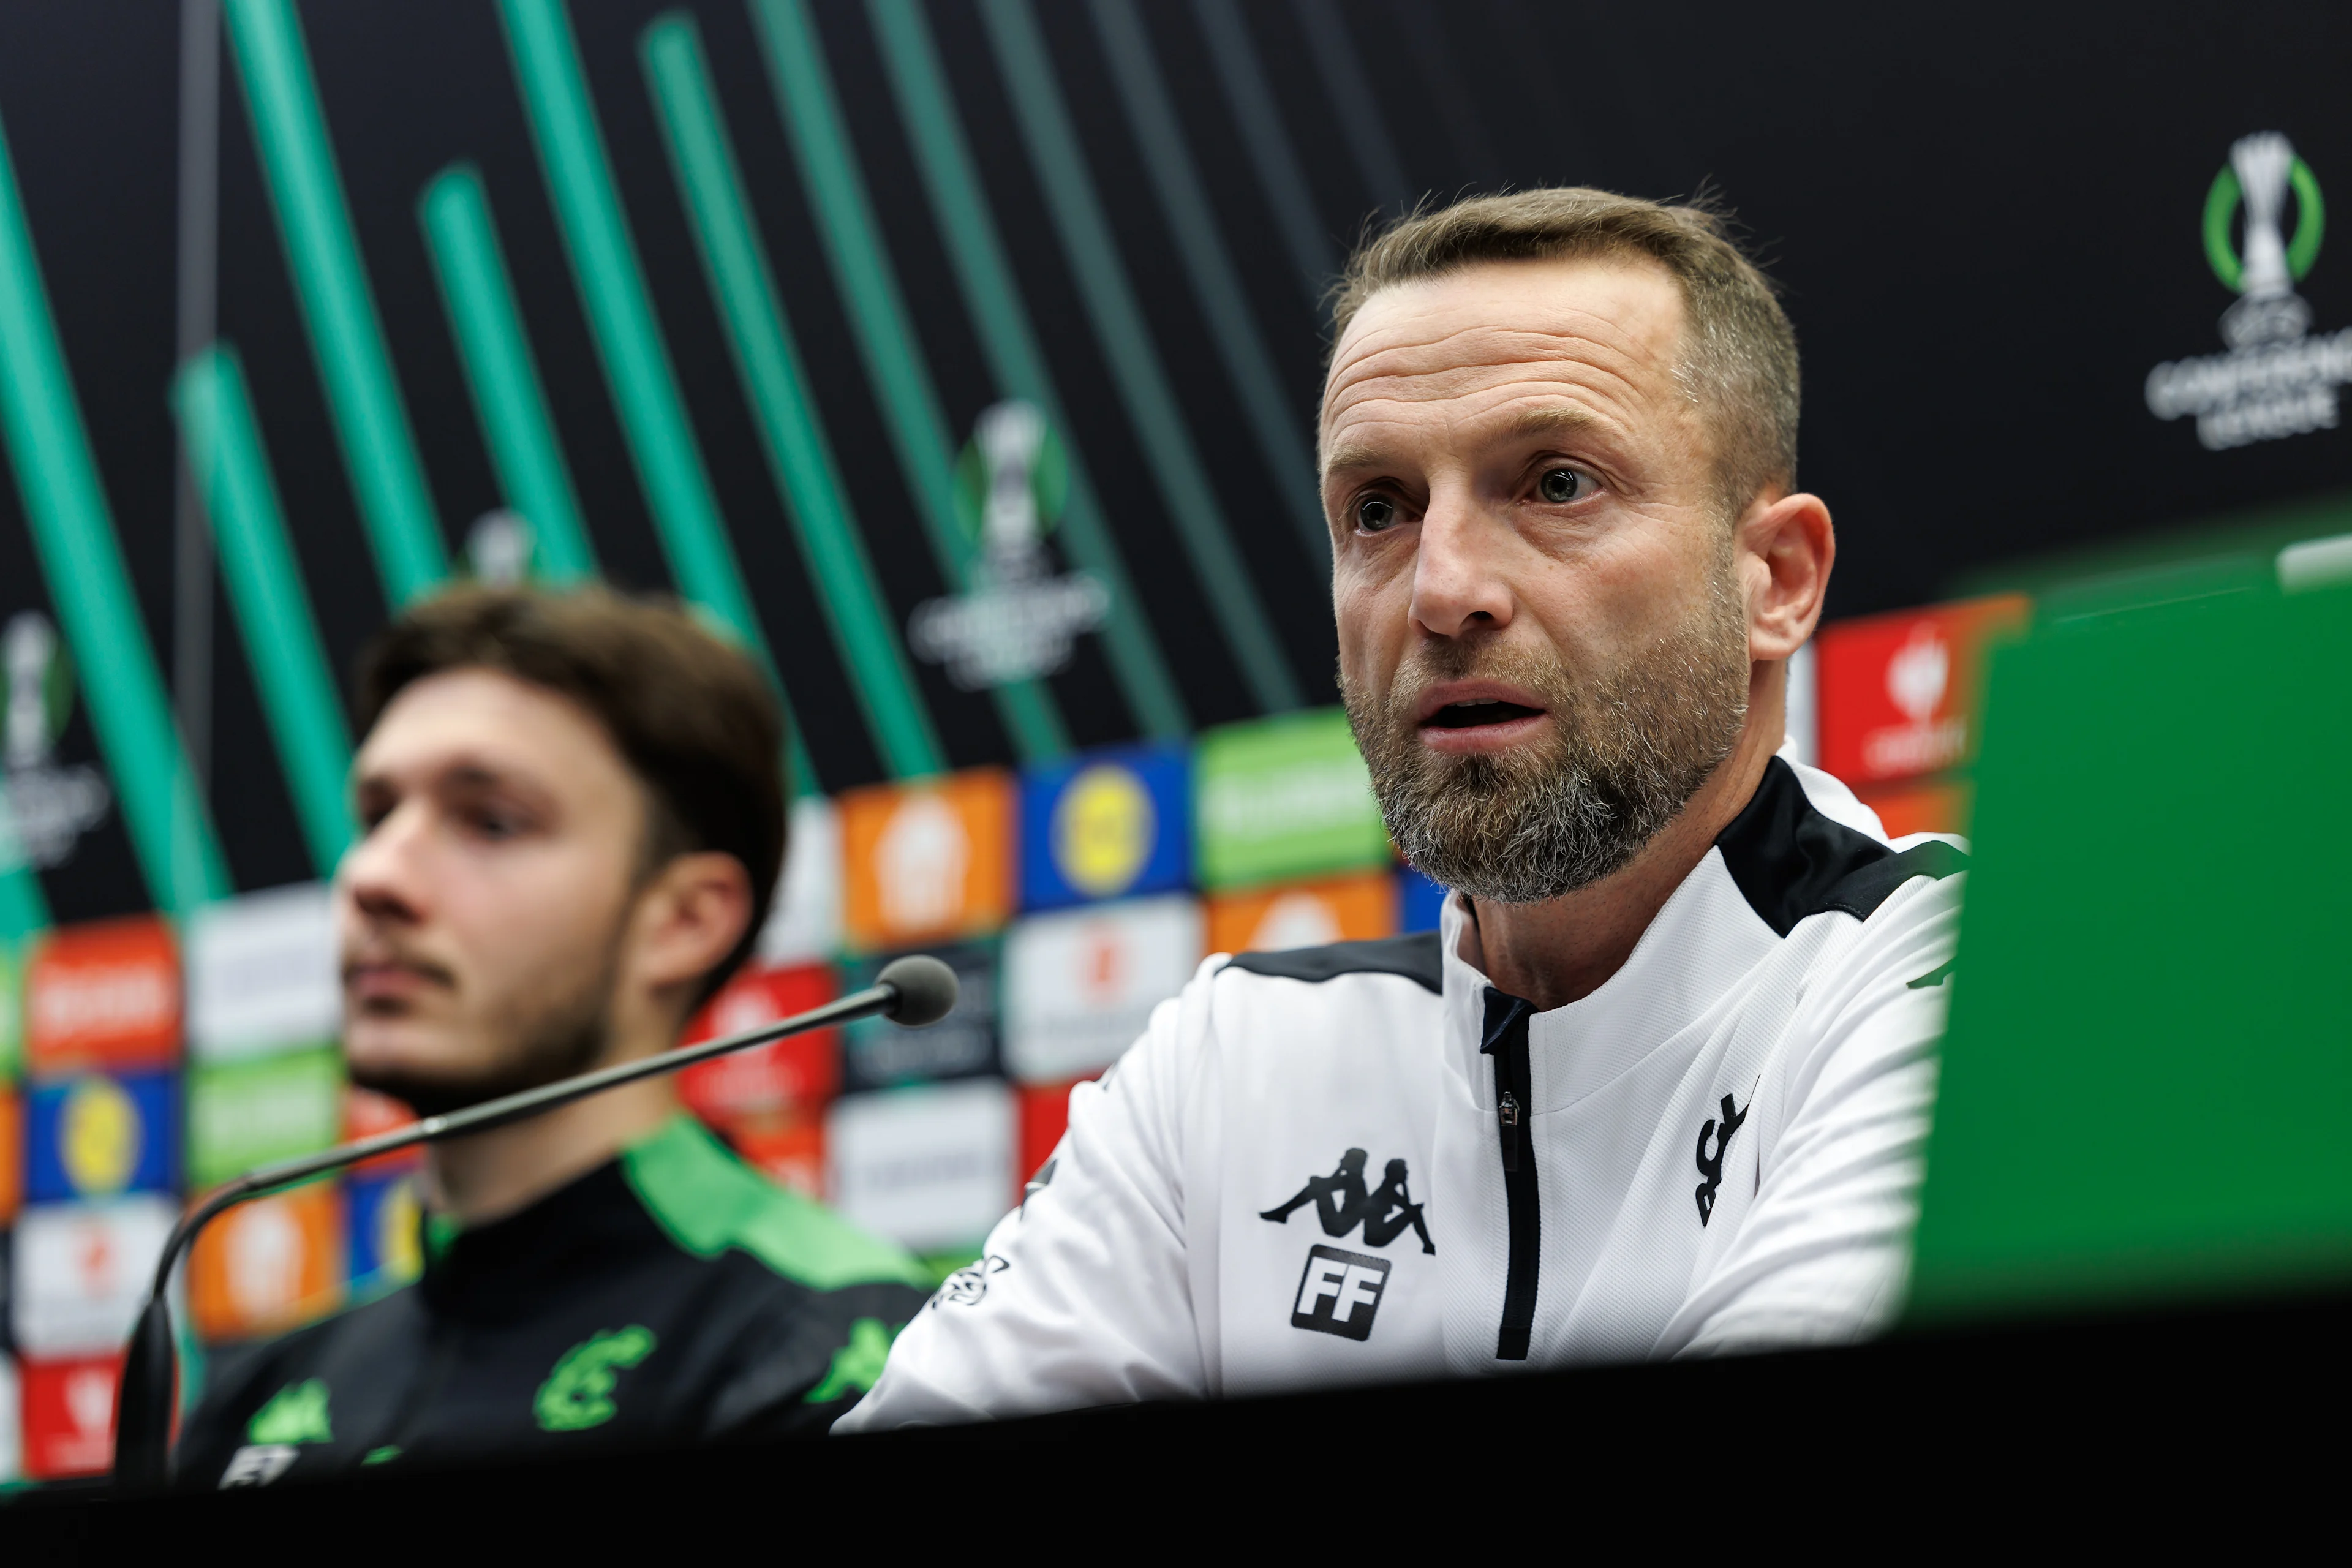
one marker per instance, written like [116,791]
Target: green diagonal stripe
[73,535]
[500,374]
[1277,427]
[668,458]
[863,273]
[1152,409]
[346,334]
[1010,341]
[24,908]
[768,361]
[265,588]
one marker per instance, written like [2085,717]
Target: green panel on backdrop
[2152,1015]
[11,1011]
[243,1113]
[1282,797]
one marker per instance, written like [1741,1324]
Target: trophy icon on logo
[2262,166]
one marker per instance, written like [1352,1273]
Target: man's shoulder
[1414,956]
[1793,860]
[711,1204]
[241,1382]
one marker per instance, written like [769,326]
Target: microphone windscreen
[926,987]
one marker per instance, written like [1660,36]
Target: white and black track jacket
[1362,1162]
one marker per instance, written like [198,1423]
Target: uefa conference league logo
[45,806]
[2276,380]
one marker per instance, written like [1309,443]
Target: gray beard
[1629,748]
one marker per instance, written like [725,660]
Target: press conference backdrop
[958,358]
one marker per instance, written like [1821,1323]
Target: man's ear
[689,918]
[1785,550]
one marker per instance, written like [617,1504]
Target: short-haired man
[1658,1085]
[571,821]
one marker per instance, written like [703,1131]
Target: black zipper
[1506,1042]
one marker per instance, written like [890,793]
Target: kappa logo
[1342,1204]
[968,1286]
[1710,1166]
[1339,1293]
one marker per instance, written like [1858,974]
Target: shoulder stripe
[1792,862]
[706,1199]
[1414,956]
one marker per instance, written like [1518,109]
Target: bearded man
[1662,1077]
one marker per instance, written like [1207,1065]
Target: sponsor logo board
[367,1113]
[805,917]
[269,1264]
[68,1421]
[1339,908]
[1940,806]
[262,974]
[784,1079]
[12,1155]
[1044,1117]
[1080,984]
[79,1271]
[384,1230]
[1108,826]
[1276,799]
[930,1167]
[1900,694]
[102,996]
[12,1432]
[1420,903]
[791,1155]
[11,1011]
[245,1112]
[94,1135]
[927,862]
[878,1054]
[69,1416]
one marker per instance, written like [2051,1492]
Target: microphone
[910,992]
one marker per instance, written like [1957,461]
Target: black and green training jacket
[670,1296]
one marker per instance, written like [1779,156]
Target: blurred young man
[572,817]
[1658,1086]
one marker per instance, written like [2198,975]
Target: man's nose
[380,873]
[1459,582]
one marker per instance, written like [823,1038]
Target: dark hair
[691,715]
[1739,353]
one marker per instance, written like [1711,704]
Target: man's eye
[1374,513]
[1561,486]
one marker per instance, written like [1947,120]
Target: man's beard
[545,1039]
[1628,749]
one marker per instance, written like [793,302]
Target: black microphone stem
[142,1425]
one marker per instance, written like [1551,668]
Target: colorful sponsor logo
[1900,694]
[1080,984]
[783,1080]
[927,862]
[878,1054]
[12,1012]
[1106,826]
[247,1113]
[94,1136]
[930,1167]
[1420,903]
[12,1156]
[791,1155]
[104,995]
[1337,908]
[1281,798]
[68,1404]
[384,1231]
[267,1264]
[805,917]
[262,974]
[80,1271]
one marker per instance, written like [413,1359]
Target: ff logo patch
[1339,1293]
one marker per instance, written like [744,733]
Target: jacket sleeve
[1082,1295]
[1822,1253]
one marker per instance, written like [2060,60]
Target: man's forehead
[1485,334]
[485,723]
